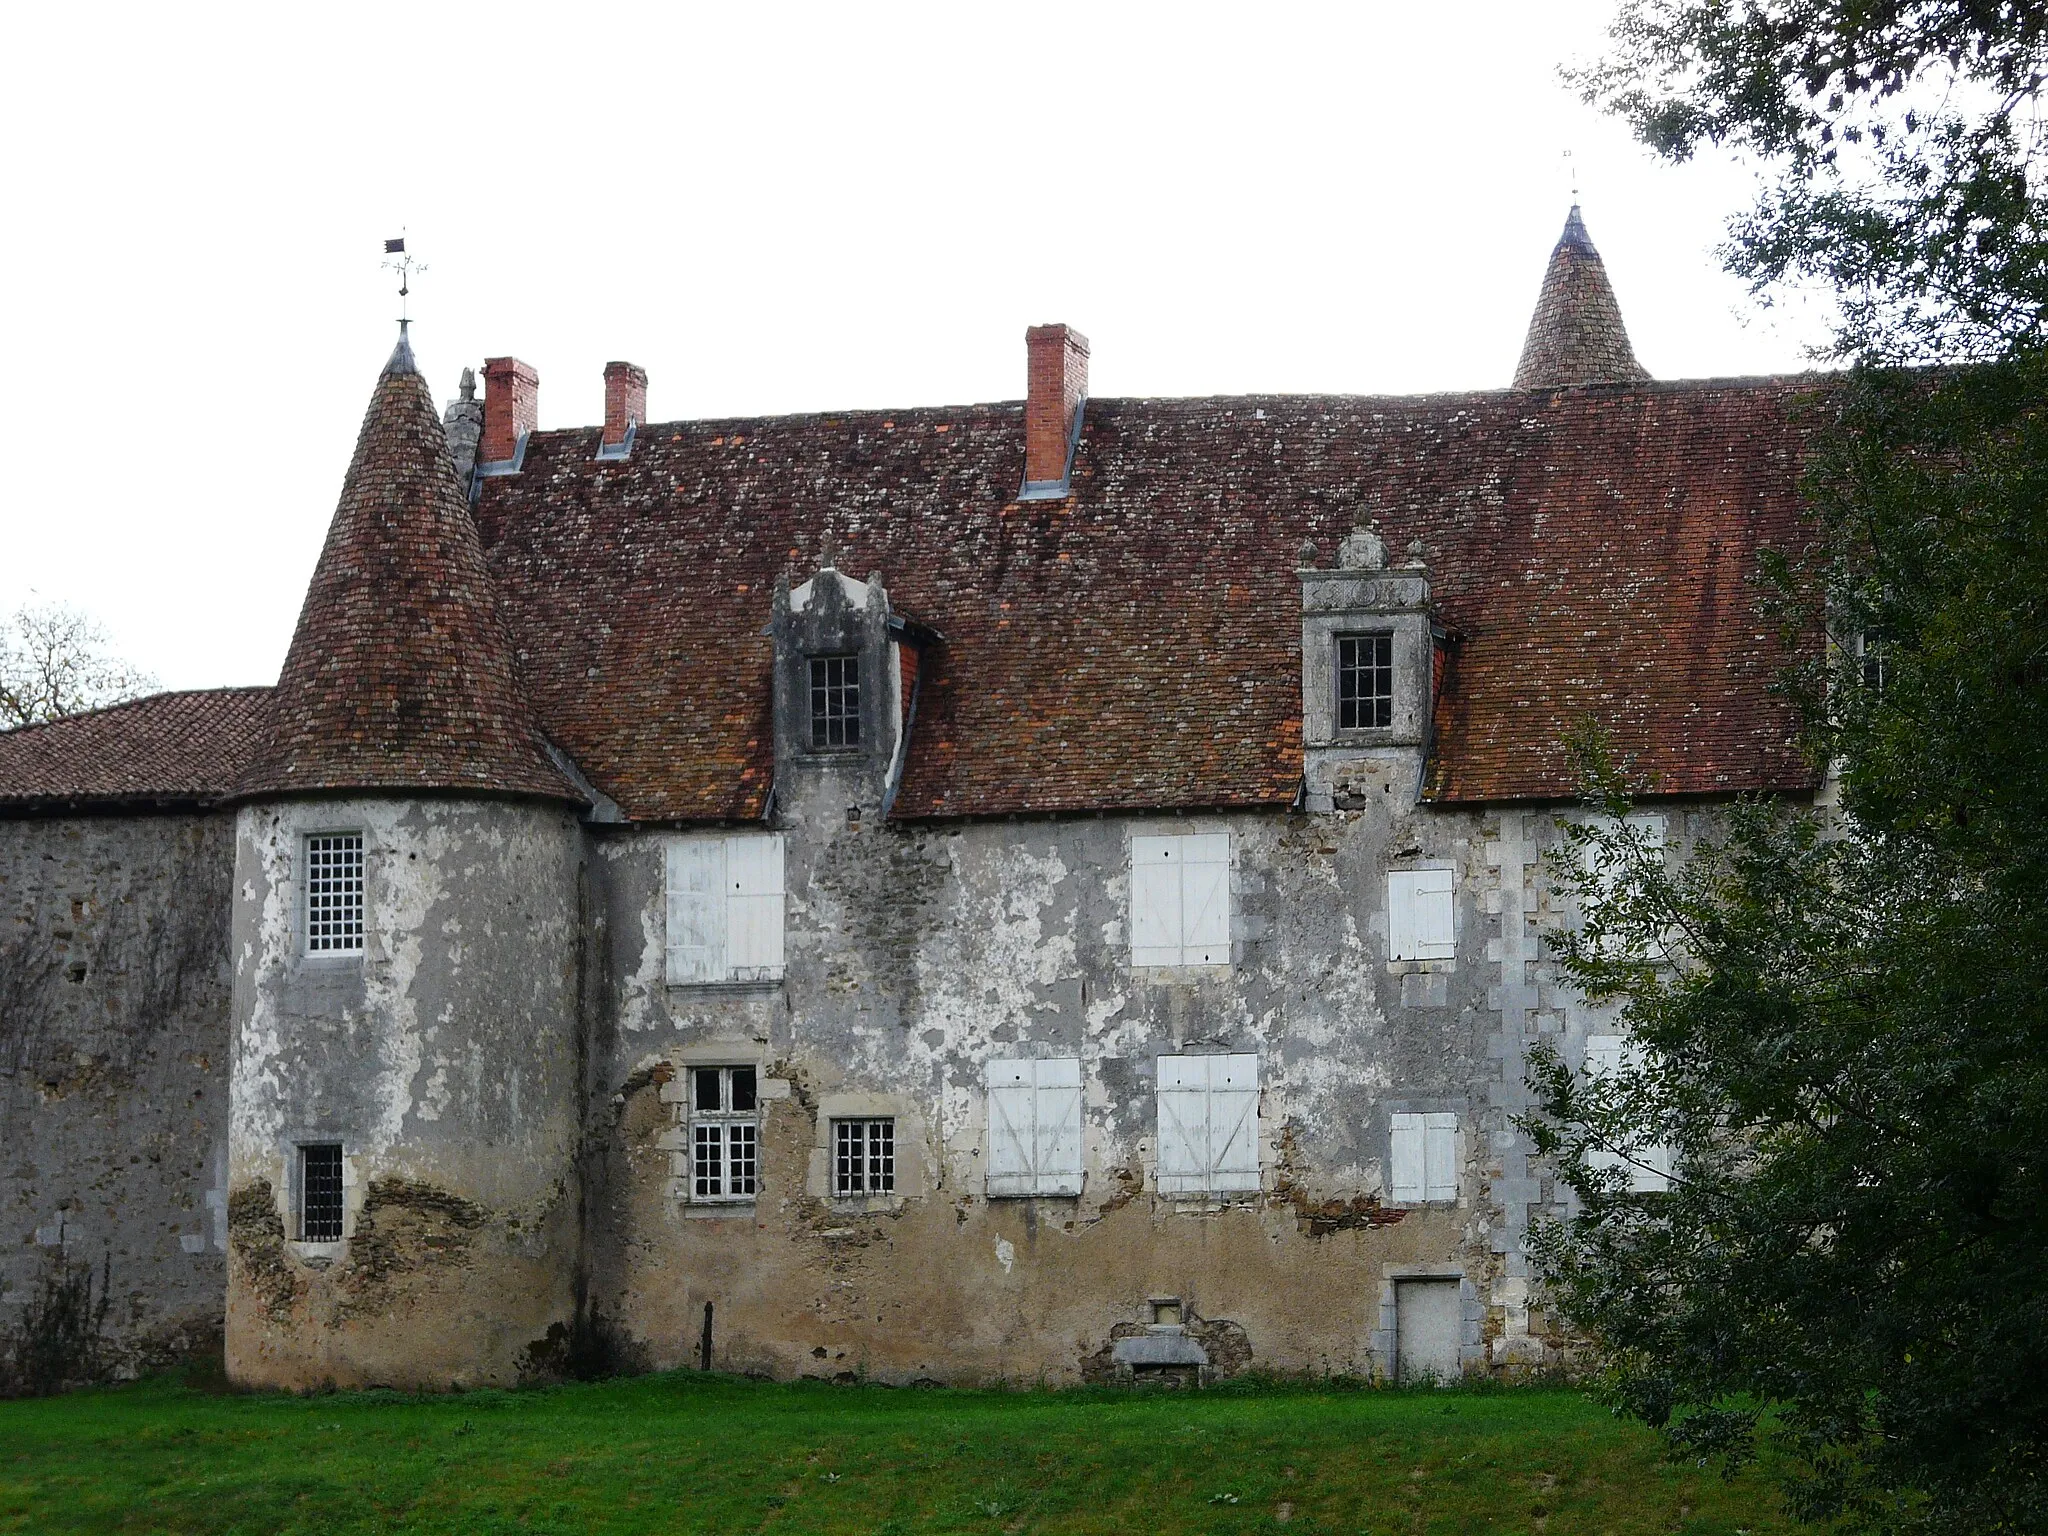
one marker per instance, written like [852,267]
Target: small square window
[320,1193]
[863,1157]
[835,701]
[1365,681]
[334,893]
[725,1134]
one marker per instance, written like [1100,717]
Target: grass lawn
[708,1453]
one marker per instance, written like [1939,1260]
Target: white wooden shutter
[1440,1157]
[1205,899]
[754,906]
[1233,1123]
[1407,1177]
[1155,901]
[1433,915]
[1183,1124]
[1010,1095]
[1403,937]
[696,910]
[1056,1126]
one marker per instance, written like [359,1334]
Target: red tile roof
[1137,645]
[400,676]
[168,749]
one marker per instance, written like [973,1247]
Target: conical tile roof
[400,675]
[1576,335]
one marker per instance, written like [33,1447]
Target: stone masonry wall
[114,995]
[915,954]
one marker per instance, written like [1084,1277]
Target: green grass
[697,1453]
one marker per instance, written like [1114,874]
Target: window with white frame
[835,701]
[1424,1165]
[1180,899]
[725,1134]
[320,1197]
[334,893]
[863,1157]
[1421,918]
[725,908]
[1208,1124]
[1034,1127]
[1648,1166]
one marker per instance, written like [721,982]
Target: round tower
[404,1102]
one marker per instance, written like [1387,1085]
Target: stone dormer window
[1365,681]
[835,702]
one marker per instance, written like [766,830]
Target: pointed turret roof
[400,675]
[1576,335]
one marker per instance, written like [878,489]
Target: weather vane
[404,266]
[1570,165]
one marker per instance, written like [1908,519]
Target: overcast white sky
[770,208]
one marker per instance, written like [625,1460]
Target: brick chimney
[511,407]
[625,400]
[1058,382]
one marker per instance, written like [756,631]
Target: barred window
[725,1134]
[334,893]
[863,1157]
[835,701]
[1365,681]
[1870,659]
[320,1193]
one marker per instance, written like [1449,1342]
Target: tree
[56,661]
[1841,1029]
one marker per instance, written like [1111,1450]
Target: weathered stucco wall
[914,955]
[444,1059]
[114,993]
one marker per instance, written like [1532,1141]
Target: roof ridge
[99,711]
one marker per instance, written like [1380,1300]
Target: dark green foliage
[1845,1022]
[1899,141]
[1843,1013]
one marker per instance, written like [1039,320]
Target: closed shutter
[696,910]
[1010,1096]
[1440,1157]
[754,906]
[1421,920]
[1056,1112]
[1233,1123]
[1208,1124]
[1155,901]
[1205,899]
[1648,1167]
[1183,1124]
[1408,1175]
[1402,939]
[1435,918]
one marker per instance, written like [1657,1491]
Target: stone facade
[1104,943]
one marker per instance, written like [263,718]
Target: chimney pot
[1057,383]
[625,400]
[511,406]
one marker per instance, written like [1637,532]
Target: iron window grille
[320,1192]
[835,701]
[334,893]
[1870,659]
[1365,681]
[725,1134]
[863,1157]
